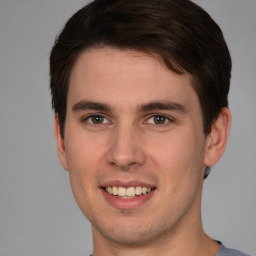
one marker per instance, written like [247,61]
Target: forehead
[125,77]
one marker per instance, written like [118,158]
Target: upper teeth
[131,191]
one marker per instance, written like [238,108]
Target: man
[139,89]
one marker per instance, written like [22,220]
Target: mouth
[127,193]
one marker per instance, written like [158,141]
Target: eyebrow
[165,105]
[90,105]
[157,105]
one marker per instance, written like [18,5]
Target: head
[170,58]
[178,33]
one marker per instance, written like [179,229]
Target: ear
[216,141]
[60,143]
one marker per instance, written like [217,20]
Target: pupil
[97,119]
[159,119]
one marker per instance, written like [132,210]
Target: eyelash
[167,120]
[87,118]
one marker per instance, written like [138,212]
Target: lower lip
[130,203]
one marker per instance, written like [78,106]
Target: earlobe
[216,141]
[60,143]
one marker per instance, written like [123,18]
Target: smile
[127,193]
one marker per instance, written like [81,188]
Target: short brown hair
[178,32]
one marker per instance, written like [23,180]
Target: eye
[96,119]
[159,119]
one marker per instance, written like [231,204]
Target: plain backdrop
[38,215]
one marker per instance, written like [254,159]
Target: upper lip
[126,184]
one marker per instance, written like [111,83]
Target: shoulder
[223,251]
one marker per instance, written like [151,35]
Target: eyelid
[170,119]
[85,118]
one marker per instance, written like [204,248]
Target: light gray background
[38,215]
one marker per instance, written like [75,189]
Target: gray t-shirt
[223,251]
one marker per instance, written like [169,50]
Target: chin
[130,234]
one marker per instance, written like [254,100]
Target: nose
[126,148]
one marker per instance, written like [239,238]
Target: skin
[126,142]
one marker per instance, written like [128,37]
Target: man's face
[133,127]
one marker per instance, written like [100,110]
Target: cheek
[179,158]
[83,152]
[83,164]
[82,171]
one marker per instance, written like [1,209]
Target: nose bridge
[125,150]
